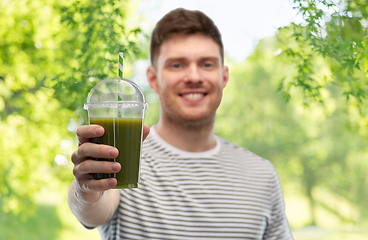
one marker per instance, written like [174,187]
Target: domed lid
[116,92]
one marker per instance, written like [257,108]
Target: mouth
[192,96]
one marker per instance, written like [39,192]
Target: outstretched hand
[88,189]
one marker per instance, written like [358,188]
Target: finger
[146,131]
[86,132]
[85,168]
[92,150]
[97,185]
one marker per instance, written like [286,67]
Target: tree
[337,31]
[51,54]
[312,147]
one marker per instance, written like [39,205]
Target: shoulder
[232,150]
[259,168]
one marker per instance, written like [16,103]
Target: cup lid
[116,92]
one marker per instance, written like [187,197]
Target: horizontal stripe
[229,194]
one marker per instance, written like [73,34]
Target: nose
[193,74]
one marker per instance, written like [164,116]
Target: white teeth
[193,95]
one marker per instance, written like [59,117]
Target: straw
[120,73]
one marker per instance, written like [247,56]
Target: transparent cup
[118,106]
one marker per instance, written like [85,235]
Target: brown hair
[186,22]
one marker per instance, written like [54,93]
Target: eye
[208,65]
[176,65]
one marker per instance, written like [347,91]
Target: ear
[151,75]
[225,72]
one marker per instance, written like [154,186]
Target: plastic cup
[118,106]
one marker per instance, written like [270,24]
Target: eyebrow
[169,60]
[211,58]
[174,59]
[215,59]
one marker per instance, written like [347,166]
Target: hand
[90,190]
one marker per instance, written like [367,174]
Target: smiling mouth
[193,95]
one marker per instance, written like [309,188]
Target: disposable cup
[118,106]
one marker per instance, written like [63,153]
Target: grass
[318,233]
[43,224]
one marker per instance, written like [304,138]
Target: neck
[187,137]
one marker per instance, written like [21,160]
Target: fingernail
[115,166]
[99,131]
[111,182]
[113,152]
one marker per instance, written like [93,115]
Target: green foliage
[95,34]
[37,227]
[51,54]
[313,145]
[337,32]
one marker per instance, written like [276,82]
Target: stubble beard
[190,123]
[194,124]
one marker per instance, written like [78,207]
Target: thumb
[146,131]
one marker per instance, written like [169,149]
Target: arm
[94,202]
[93,214]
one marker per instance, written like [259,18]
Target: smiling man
[188,75]
[194,185]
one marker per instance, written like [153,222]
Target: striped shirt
[224,193]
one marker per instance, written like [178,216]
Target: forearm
[97,212]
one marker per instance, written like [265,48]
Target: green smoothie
[125,135]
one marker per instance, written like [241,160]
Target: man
[193,184]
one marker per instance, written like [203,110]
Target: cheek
[161,88]
[159,85]
[166,86]
[218,86]
[164,90]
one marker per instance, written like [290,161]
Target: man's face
[189,79]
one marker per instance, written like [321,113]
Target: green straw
[120,73]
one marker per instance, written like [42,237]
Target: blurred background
[296,96]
